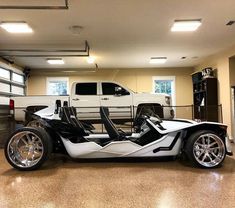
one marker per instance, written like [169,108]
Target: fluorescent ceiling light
[158,60]
[57,61]
[91,60]
[185,25]
[16,27]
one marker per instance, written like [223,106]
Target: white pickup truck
[87,97]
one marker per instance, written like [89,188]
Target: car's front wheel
[28,148]
[205,149]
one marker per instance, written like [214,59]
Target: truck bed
[22,102]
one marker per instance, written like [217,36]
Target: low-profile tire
[205,149]
[28,148]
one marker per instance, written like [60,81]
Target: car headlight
[168,100]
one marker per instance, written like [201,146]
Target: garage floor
[159,184]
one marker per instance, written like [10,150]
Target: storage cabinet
[205,98]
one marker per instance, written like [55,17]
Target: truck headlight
[168,100]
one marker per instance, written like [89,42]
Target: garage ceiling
[122,33]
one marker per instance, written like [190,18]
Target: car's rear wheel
[28,148]
[205,149]
[35,124]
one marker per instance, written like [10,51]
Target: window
[86,89]
[5,88]
[165,84]
[57,85]
[17,90]
[112,89]
[17,78]
[5,74]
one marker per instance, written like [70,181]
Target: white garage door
[11,83]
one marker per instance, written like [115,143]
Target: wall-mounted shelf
[205,98]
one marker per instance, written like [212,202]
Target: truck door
[85,98]
[118,99]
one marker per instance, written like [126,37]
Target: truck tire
[28,148]
[150,110]
[154,110]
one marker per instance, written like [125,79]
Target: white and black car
[206,144]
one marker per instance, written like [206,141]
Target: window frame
[166,78]
[57,79]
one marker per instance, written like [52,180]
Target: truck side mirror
[119,91]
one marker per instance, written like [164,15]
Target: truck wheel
[147,110]
[142,110]
[205,149]
[28,148]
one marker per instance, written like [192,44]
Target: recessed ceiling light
[185,25]
[91,60]
[158,60]
[76,29]
[16,27]
[57,61]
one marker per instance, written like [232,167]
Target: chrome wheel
[209,150]
[25,149]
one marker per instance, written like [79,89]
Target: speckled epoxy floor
[62,182]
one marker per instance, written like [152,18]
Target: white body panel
[160,147]
[168,144]
[122,148]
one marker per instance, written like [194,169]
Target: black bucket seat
[112,131]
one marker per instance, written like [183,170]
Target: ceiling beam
[56,7]
[46,52]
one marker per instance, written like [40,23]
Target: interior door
[86,100]
[118,99]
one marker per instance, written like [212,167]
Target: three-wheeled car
[205,144]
